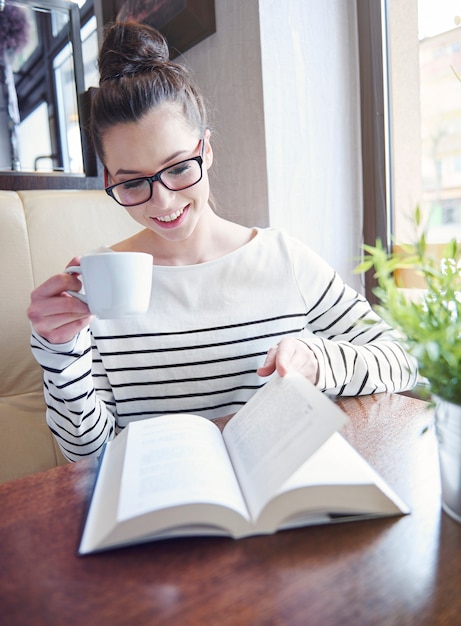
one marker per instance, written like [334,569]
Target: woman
[230,304]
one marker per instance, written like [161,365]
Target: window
[90,53]
[424,52]
[440,105]
[45,81]
[35,151]
[411,119]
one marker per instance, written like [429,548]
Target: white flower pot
[448,429]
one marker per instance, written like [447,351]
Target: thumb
[269,364]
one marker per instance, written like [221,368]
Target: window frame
[92,176]
[374,113]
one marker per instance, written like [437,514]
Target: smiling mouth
[170,218]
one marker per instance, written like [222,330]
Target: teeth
[172,217]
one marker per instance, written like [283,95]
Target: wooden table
[394,571]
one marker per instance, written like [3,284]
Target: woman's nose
[161,195]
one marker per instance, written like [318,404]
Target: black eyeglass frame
[156,177]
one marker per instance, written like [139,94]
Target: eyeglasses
[174,177]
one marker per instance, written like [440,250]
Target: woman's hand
[55,315]
[291,355]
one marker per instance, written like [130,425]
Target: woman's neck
[212,238]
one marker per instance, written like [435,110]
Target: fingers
[74,261]
[291,355]
[54,314]
[56,285]
[269,364]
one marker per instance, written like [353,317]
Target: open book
[279,463]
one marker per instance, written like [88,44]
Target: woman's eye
[133,184]
[178,170]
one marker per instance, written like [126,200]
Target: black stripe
[81,434]
[322,297]
[193,364]
[74,399]
[182,396]
[203,330]
[197,410]
[52,409]
[364,382]
[71,453]
[343,314]
[203,346]
[71,382]
[175,381]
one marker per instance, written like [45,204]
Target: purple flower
[14,29]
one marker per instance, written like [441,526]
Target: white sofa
[40,231]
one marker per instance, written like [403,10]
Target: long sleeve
[78,412]
[358,353]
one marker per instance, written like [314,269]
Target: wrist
[315,376]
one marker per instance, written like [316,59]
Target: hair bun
[131,48]
[136,77]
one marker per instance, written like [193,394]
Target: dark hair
[136,76]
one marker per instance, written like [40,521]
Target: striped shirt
[208,329]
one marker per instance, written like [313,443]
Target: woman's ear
[207,149]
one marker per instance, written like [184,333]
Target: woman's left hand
[291,355]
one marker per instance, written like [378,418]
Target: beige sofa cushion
[40,232]
[18,373]
[26,444]
[63,224]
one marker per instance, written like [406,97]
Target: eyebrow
[162,165]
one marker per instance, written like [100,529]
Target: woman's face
[160,139]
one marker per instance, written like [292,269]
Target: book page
[340,482]
[275,432]
[176,460]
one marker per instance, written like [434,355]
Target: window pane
[440,97]
[424,40]
[35,142]
[90,53]
[67,110]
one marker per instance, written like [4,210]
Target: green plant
[430,323]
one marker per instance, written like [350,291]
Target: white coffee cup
[115,284]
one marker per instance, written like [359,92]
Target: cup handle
[76,269]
